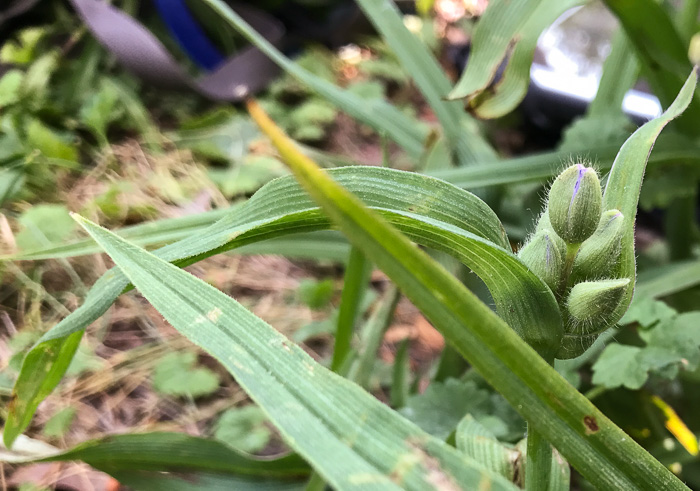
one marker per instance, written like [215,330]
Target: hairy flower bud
[600,254]
[542,256]
[575,202]
[543,223]
[591,303]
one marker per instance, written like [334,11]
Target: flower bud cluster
[576,251]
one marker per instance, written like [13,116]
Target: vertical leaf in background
[357,273]
[620,72]
[661,50]
[598,449]
[461,132]
[408,133]
[346,434]
[505,34]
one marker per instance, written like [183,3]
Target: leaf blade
[300,397]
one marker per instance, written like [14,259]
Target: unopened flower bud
[600,253]
[575,202]
[591,303]
[543,223]
[543,258]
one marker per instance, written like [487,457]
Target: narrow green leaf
[149,455]
[620,72]
[540,167]
[42,370]
[509,33]
[357,275]
[661,50]
[671,148]
[400,379]
[346,434]
[492,42]
[597,448]
[625,180]
[430,78]
[372,336]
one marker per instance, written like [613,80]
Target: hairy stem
[571,251]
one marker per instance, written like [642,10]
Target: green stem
[399,386]
[595,392]
[373,334]
[571,251]
[356,278]
[538,463]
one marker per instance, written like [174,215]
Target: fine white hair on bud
[543,257]
[575,203]
[591,303]
[599,255]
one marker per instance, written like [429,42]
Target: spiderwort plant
[576,250]
[572,280]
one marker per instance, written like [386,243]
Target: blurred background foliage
[78,133]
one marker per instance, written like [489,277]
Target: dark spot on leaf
[591,425]
[13,402]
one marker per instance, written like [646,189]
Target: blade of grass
[493,40]
[153,461]
[620,72]
[661,50]
[373,334]
[356,277]
[540,167]
[597,448]
[626,176]
[159,452]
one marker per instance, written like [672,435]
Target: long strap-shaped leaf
[353,440]
[597,448]
[661,50]
[159,452]
[431,211]
[625,181]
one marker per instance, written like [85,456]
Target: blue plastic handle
[189,34]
